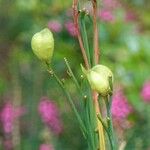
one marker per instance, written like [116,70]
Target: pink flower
[50,115]
[120,106]
[106,15]
[46,147]
[107,11]
[55,26]
[145,93]
[8,115]
[130,16]
[70,27]
[111,4]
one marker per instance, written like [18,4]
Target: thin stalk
[83,98]
[83,128]
[89,124]
[99,124]
[106,129]
[91,119]
[95,39]
[72,75]
[109,120]
[76,22]
[84,36]
[75,81]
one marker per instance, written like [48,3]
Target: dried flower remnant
[145,93]
[50,115]
[55,26]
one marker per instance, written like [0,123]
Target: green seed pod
[42,44]
[98,83]
[103,70]
[98,78]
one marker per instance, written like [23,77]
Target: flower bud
[103,70]
[43,45]
[98,83]
[98,78]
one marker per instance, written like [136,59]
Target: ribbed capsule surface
[42,44]
[98,77]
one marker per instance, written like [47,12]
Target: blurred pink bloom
[7,116]
[145,93]
[70,27]
[111,4]
[130,15]
[55,26]
[120,106]
[107,11]
[46,147]
[106,15]
[50,115]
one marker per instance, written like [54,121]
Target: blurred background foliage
[125,47]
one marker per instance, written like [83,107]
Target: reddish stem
[76,22]
[99,124]
[96,59]
[96,45]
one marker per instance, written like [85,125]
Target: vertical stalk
[82,126]
[84,36]
[106,129]
[99,124]
[96,43]
[110,124]
[76,22]
[96,61]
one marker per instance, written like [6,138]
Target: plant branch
[83,128]
[106,129]
[76,22]
[109,121]
[72,75]
[83,15]
[99,124]
[96,43]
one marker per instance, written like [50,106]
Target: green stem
[72,75]
[84,36]
[106,129]
[90,117]
[83,128]
[83,97]
[110,124]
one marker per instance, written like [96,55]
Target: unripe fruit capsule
[42,44]
[98,77]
